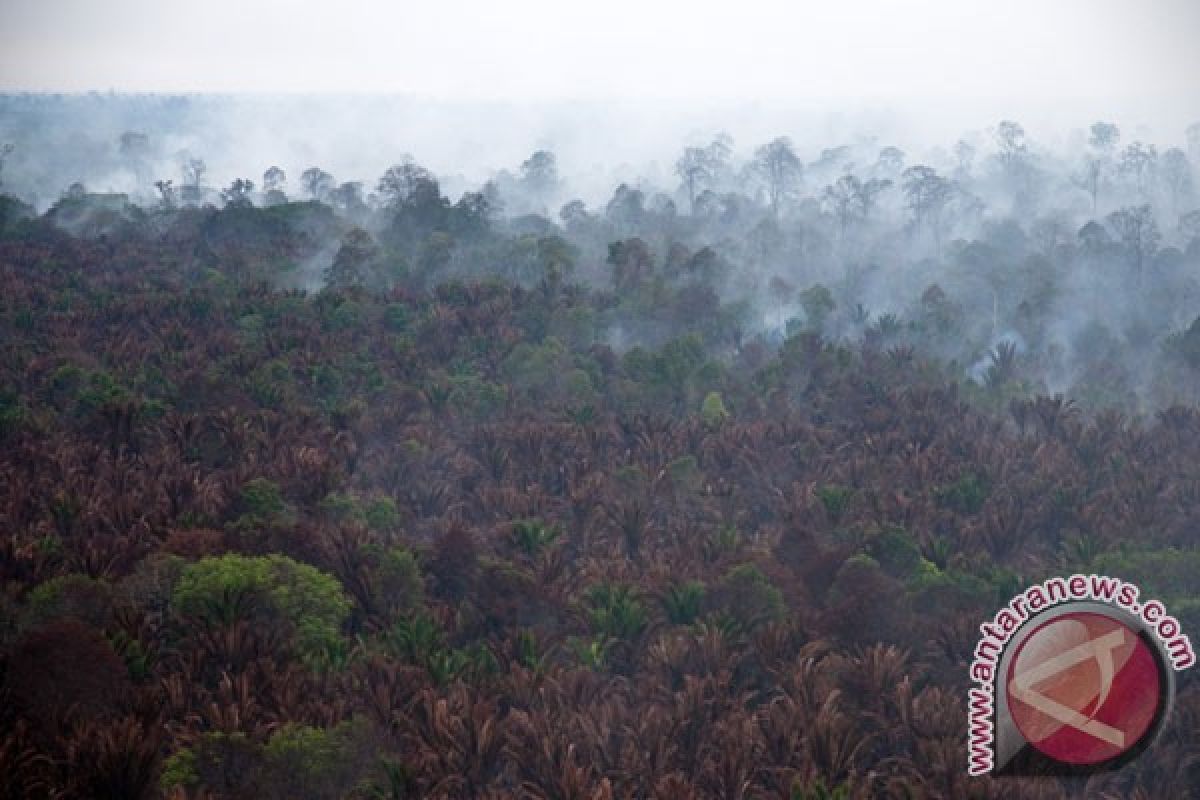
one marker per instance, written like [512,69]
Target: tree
[273,182]
[348,198]
[890,162]
[317,182]
[573,214]
[5,151]
[1176,174]
[927,194]
[1137,164]
[632,263]
[1189,225]
[1138,233]
[193,175]
[702,166]
[350,267]
[274,179]
[1102,139]
[851,199]
[539,174]
[817,302]
[627,208]
[1193,140]
[1011,148]
[1103,136]
[777,164]
[225,589]
[713,411]
[135,148]
[693,169]
[964,155]
[166,193]
[408,185]
[414,196]
[238,194]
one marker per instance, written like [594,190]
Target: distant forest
[312,487]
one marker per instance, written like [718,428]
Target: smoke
[958,242]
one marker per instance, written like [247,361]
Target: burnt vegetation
[387,495]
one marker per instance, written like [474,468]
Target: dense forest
[320,487]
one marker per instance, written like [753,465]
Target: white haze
[613,88]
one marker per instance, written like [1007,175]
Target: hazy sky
[1041,50]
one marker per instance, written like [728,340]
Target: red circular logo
[1083,688]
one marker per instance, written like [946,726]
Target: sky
[620,82]
[1042,51]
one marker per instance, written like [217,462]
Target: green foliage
[12,413]
[532,536]
[896,551]
[102,391]
[966,495]
[73,595]
[381,514]
[180,769]
[297,761]
[932,587]
[615,611]
[397,317]
[713,410]
[818,790]
[817,302]
[418,639]
[685,473]
[472,395]
[1171,575]
[262,498]
[592,652]
[270,384]
[224,589]
[749,597]
[836,501]
[683,602]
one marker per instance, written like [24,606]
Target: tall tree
[1102,140]
[1176,173]
[779,167]
[703,167]
[539,175]
[927,194]
[274,179]
[5,150]
[238,193]
[1138,233]
[1137,164]
[317,182]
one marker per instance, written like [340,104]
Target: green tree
[224,589]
